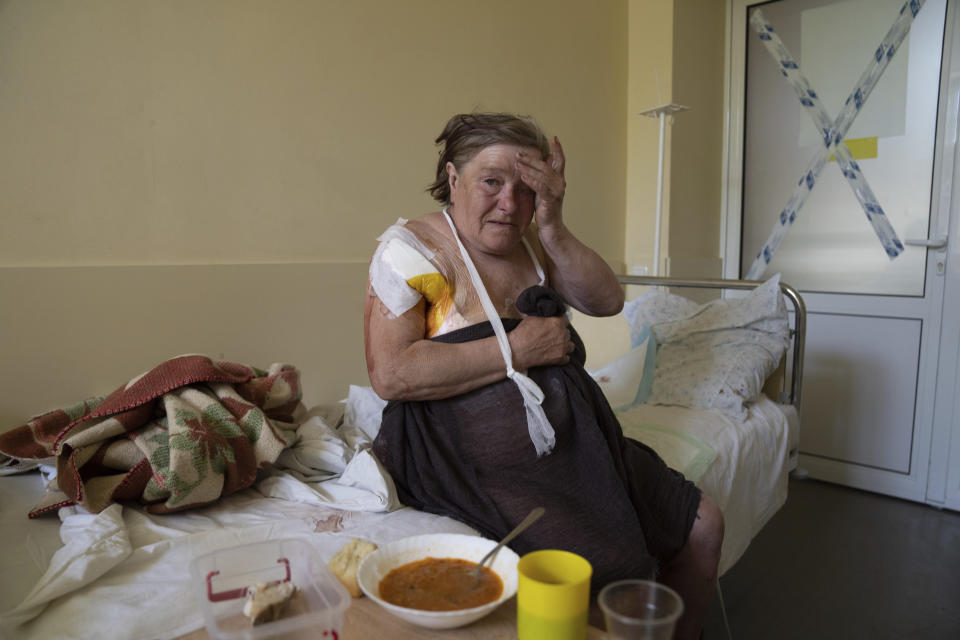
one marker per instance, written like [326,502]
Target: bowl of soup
[427,581]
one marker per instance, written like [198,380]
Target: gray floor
[840,563]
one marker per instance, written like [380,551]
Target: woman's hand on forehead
[546,179]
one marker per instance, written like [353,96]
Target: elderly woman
[490,411]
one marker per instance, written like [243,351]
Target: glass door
[831,246]
[855,226]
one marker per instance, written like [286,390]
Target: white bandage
[541,431]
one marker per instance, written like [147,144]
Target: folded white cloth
[320,453]
[364,485]
[123,573]
[10,466]
[331,463]
[93,544]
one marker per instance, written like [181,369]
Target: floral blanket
[179,436]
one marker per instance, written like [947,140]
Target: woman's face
[490,205]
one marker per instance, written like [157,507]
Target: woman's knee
[708,528]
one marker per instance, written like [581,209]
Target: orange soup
[440,584]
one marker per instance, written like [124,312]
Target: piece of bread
[267,601]
[346,562]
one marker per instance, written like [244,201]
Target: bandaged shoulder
[401,272]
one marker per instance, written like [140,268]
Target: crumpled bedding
[331,465]
[181,435]
[325,488]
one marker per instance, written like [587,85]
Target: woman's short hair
[466,134]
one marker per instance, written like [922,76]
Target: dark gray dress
[608,498]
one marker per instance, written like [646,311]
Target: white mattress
[748,475]
[121,573]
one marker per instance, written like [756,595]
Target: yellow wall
[676,55]
[165,132]
[210,175]
[650,84]
[697,136]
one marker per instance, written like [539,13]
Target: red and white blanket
[179,436]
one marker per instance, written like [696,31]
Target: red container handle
[239,592]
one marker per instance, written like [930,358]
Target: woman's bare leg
[693,571]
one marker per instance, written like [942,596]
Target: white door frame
[935,458]
[943,486]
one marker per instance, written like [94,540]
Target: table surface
[366,619]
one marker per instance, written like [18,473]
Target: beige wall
[650,84]
[676,55]
[697,136]
[210,175]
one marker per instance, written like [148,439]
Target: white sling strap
[539,427]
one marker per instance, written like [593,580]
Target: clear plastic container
[222,578]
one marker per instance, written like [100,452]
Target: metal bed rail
[798,333]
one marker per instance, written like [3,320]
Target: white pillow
[717,355]
[654,308]
[606,338]
[628,380]
[762,309]
[720,370]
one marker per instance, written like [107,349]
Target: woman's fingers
[547,172]
[546,179]
[557,160]
[533,171]
[541,341]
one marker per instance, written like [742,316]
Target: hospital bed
[748,475]
[124,572]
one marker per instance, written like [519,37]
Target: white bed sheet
[26,546]
[124,573]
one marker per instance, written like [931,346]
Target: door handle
[938,243]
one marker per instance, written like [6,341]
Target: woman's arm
[402,365]
[577,272]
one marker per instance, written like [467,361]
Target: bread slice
[267,601]
[346,562]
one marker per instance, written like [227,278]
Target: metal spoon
[529,520]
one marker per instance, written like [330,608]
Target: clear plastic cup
[640,610]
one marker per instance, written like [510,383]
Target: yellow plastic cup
[553,595]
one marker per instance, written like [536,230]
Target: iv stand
[660,112]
